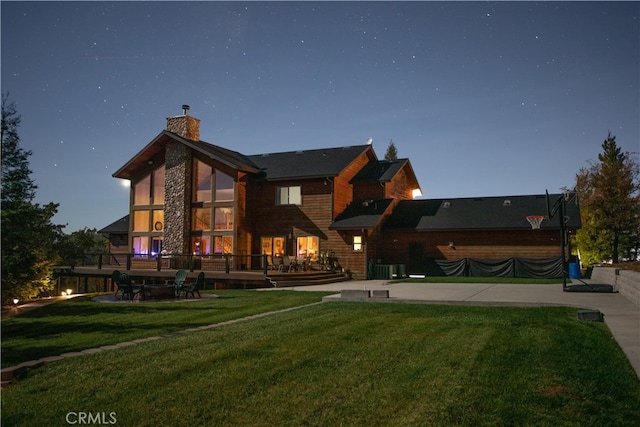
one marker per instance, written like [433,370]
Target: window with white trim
[357,243]
[289,195]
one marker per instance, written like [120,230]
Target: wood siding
[399,187]
[312,218]
[472,244]
[368,191]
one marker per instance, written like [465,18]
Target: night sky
[485,99]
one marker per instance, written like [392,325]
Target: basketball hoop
[535,221]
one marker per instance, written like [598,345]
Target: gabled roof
[508,212]
[318,163]
[230,158]
[361,215]
[120,226]
[379,171]
[382,171]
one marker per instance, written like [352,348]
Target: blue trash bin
[574,270]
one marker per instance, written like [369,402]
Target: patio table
[160,291]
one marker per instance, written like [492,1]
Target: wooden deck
[213,279]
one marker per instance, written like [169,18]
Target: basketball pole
[563,240]
[551,212]
[559,207]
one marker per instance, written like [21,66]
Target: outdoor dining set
[130,290]
[325,261]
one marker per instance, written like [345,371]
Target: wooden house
[192,197]
[342,203]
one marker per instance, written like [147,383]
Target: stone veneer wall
[177,198]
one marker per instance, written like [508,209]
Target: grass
[351,364]
[81,323]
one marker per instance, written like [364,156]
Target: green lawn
[81,323]
[350,364]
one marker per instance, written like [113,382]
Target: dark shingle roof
[508,212]
[379,171]
[156,146]
[325,162]
[361,215]
[224,155]
[120,226]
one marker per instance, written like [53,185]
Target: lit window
[158,186]
[142,191]
[273,246]
[201,219]
[140,246]
[224,187]
[288,195]
[357,243]
[140,220]
[223,218]
[202,181]
[223,245]
[158,220]
[201,245]
[156,246]
[307,247]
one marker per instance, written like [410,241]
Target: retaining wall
[626,282]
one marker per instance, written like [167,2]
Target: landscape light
[69,292]
[16,301]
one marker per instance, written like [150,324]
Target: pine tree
[609,194]
[28,236]
[392,153]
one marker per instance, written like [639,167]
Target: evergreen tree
[28,236]
[392,153]
[609,194]
[72,248]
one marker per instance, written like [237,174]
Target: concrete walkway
[620,314]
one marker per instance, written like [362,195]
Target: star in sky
[492,98]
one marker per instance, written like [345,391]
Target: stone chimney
[186,126]
[177,183]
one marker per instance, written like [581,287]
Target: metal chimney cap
[185,109]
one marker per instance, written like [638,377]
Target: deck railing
[218,262]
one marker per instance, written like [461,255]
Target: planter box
[380,293]
[355,294]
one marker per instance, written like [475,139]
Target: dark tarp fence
[505,267]
[456,267]
[538,268]
[491,267]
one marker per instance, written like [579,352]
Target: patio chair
[270,264]
[123,281]
[286,265]
[115,278]
[194,288]
[181,276]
